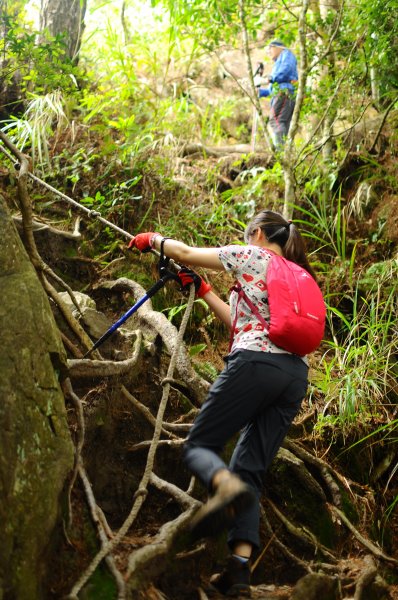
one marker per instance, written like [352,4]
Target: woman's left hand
[188,276]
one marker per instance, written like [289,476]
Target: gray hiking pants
[258,394]
[282,107]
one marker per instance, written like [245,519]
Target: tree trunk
[288,158]
[375,86]
[65,18]
[36,452]
[10,76]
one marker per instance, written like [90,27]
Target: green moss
[301,504]
[71,251]
[348,507]
[324,528]
[35,446]
[101,586]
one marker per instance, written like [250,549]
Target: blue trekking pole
[165,276]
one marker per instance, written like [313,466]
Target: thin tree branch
[331,39]
[255,98]
[329,104]
[387,112]
[287,160]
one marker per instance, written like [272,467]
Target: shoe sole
[218,514]
[238,590]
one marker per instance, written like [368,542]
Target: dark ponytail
[284,233]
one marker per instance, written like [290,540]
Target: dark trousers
[259,394]
[282,107]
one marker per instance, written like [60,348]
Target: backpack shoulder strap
[242,295]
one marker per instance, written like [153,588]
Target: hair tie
[277,233]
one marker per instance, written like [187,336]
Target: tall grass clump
[358,382]
[43,119]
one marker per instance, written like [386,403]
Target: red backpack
[296,306]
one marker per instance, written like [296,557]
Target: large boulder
[36,452]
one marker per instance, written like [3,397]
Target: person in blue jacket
[281,89]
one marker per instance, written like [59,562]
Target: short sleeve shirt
[248,265]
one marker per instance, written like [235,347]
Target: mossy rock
[36,451]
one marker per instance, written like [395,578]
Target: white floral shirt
[248,265]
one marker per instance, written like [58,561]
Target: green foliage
[381,43]
[325,223]
[206,370]
[385,271]
[390,509]
[211,224]
[42,67]
[76,163]
[357,379]
[173,311]
[212,22]
[197,349]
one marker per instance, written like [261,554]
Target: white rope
[89,212]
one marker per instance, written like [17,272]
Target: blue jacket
[283,72]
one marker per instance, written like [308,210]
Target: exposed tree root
[146,444]
[183,498]
[98,518]
[158,323]
[145,411]
[69,345]
[28,222]
[302,473]
[364,541]
[86,368]
[142,491]
[77,404]
[146,557]
[367,577]
[202,594]
[42,226]
[74,325]
[301,533]
[323,468]
[282,547]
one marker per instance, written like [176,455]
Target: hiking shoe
[231,497]
[234,581]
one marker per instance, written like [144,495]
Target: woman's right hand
[143,241]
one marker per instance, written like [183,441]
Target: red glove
[188,276]
[143,241]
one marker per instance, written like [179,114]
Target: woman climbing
[258,393]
